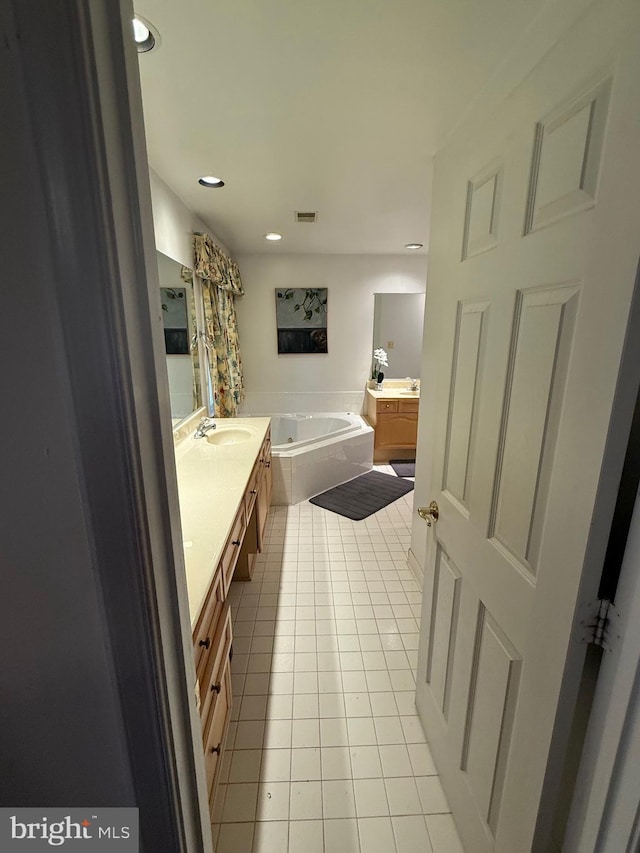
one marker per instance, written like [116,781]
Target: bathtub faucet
[204,425]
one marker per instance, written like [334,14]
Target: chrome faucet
[413,385]
[204,425]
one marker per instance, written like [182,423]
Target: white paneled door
[534,248]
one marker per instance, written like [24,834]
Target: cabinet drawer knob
[216,749]
[206,643]
[215,688]
[235,542]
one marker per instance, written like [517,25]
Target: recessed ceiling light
[413,245]
[210,181]
[145,35]
[273,236]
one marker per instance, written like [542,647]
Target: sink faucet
[204,425]
[413,385]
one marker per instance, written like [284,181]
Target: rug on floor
[363,496]
[404,467]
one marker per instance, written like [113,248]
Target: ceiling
[335,107]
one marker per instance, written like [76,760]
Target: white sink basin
[410,393]
[229,435]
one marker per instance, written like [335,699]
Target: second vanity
[224,485]
[393,413]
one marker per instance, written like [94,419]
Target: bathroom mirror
[176,297]
[397,328]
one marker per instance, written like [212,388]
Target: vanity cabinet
[213,632]
[395,423]
[257,502]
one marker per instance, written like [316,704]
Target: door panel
[533,254]
[470,328]
[492,694]
[542,335]
[444,620]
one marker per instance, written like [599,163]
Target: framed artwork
[174,317]
[301,320]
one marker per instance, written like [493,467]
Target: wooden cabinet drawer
[408,405]
[386,405]
[216,729]
[209,679]
[232,548]
[204,633]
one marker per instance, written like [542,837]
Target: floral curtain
[221,283]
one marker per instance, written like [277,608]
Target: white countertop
[211,483]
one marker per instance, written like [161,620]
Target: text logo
[70,829]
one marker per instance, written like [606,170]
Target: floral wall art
[301,320]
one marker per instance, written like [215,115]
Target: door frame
[605,808]
[75,63]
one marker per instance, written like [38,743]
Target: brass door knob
[429,513]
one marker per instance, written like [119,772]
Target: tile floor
[325,752]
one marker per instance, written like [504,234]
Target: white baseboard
[415,567]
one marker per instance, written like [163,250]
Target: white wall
[174,223]
[334,381]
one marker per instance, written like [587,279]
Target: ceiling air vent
[306,216]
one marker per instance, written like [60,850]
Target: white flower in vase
[380,360]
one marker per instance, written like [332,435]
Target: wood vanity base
[395,421]
[213,634]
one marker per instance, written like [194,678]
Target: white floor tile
[361,731]
[305,764]
[306,801]
[277,734]
[389,730]
[396,760]
[336,762]
[249,734]
[276,765]
[240,803]
[245,765]
[376,835]
[371,797]
[333,732]
[269,837]
[341,836]
[273,801]
[357,705]
[411,834]
[365,762]
[306,836]
[326,753]
[338,798]
[402,795]
[235,838]
[305,733]
[354,682]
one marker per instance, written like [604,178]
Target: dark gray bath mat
[363,496]
[404,467]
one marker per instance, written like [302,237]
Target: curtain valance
[211,264]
